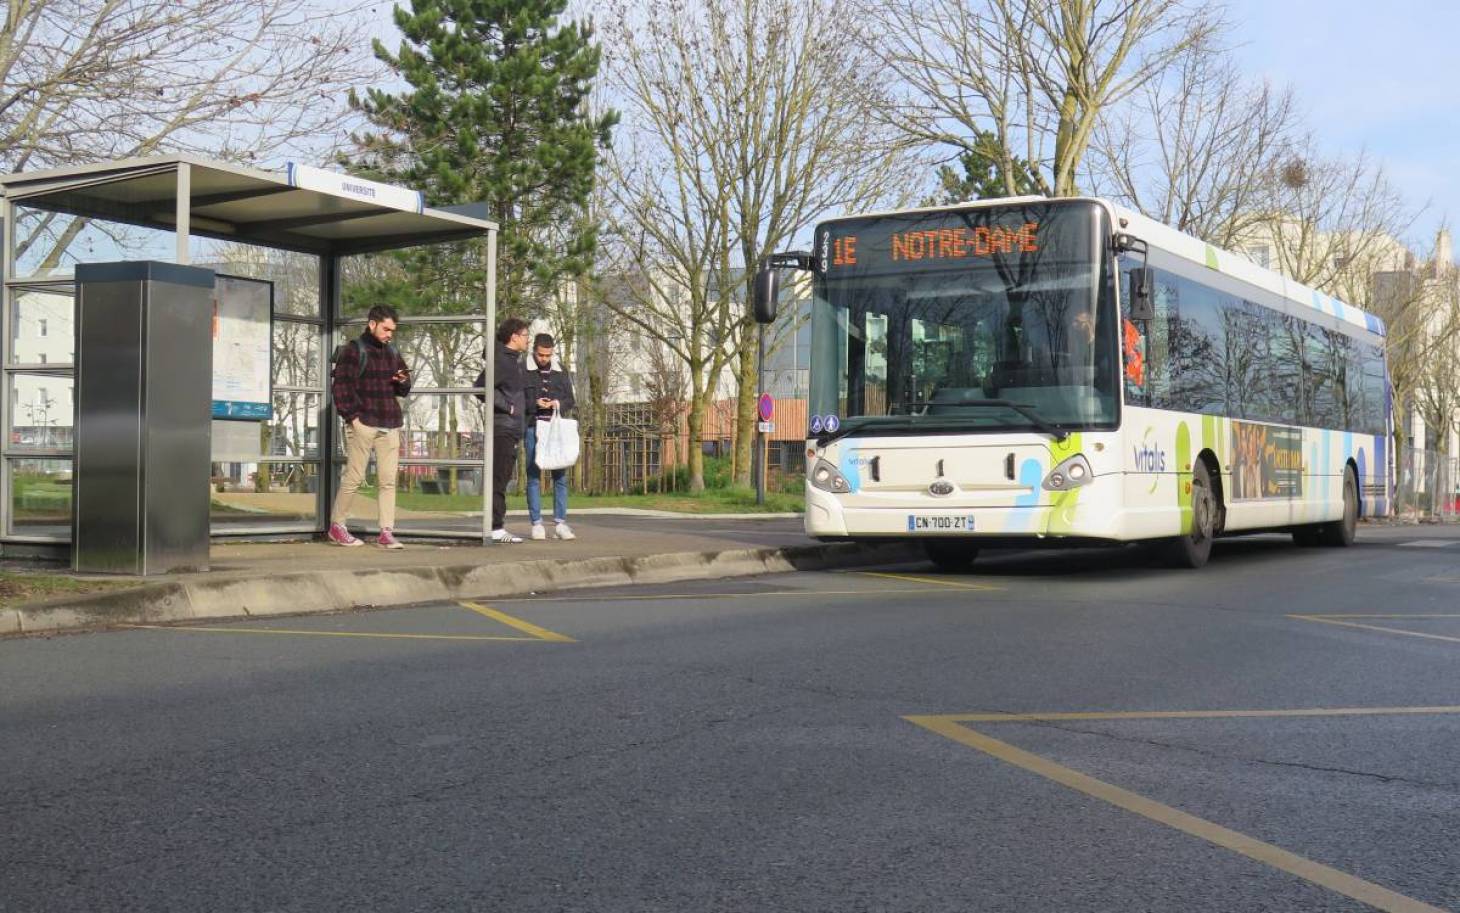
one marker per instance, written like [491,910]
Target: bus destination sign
[946,238]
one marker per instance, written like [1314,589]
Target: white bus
[1067,371]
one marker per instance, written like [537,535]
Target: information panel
[243,312]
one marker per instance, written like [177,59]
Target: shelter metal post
[184,211]
[329,424]
[489,373]
[7,333]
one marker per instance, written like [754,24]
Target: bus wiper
[1028,412]
[1058,433]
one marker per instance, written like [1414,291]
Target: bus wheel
[1340,533]
[954,557]
[1194,548]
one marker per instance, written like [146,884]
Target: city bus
[1068,372]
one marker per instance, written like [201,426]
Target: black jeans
[504,464]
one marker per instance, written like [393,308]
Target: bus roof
[1189,248]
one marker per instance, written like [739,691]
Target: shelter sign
[351,187]
[242,349]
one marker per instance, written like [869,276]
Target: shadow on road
[1241,554]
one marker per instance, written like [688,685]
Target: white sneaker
[564,531]
[538,533]
[504,537]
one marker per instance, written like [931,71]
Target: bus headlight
[825,477]
[1070,473]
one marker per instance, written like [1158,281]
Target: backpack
[361,358]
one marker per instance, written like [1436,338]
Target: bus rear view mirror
[764,294]
[1142,295]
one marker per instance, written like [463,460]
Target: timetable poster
[242,349]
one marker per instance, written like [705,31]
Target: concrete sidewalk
[276,578]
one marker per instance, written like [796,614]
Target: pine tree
[496,113]
[983,176]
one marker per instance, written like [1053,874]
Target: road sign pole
[760,437]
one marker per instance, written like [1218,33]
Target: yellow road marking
[757,593]
[1338,620]
[526,627]
[1392,615]
[1190,714]
[1325,876]
[933,580]
[308,633]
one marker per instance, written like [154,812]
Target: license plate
[940,523]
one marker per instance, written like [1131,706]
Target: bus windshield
[986,319]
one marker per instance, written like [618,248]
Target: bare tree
[89,80]
[744,121]
[1036,74]
[1198,148]
[1438,391]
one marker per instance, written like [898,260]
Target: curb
[664,514]
[339,591]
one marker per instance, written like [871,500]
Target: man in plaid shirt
[365,399]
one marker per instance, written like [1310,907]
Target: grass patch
[36,496]
[721,500]
[17,587]
[787,495]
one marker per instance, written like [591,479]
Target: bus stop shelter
[316,243]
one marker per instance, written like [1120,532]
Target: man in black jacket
[548,390]
[509,417]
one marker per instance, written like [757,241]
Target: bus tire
[1192,549]
[953,556]
[1340,533]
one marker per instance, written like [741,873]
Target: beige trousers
[360,441]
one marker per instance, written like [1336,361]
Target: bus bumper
[1091,512]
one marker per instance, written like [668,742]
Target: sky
[1382,77]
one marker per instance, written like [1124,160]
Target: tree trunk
[695,425]
[745,403]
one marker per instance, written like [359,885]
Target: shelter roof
[248,205]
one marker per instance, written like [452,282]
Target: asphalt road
[804,742]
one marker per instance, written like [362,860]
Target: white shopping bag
[557,442]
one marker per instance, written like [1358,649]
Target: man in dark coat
[509,417]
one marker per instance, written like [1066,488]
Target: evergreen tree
[497,113]
[983,175]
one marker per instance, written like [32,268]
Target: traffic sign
[767,406]
[765,427]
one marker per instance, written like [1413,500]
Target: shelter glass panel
[442,279]
[43,326]
[438,427]
[49,245]
[40,498]
[252,495]
[293,432]
[42,411]
[428,498]
[442,355]
[297,361]
[295,275]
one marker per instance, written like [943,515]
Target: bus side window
[1133,345]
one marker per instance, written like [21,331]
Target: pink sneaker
[341,536]
[387,540]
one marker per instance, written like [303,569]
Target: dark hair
[509,328]
[383,312]
[543,341]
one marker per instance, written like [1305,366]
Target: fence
[1428,486]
